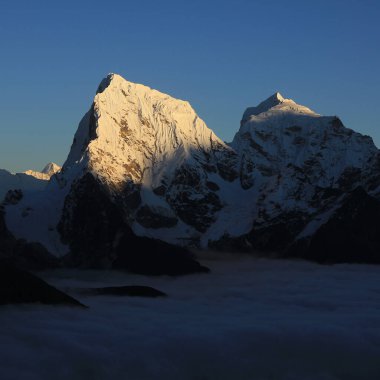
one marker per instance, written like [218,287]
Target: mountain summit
[51,168]
[144,164]
[274,103]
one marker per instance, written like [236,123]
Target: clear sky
[222,56]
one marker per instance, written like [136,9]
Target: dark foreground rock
[155,257]
[130,291]
[18,286]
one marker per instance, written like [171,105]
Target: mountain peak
[131,127]
[270,102]
[277,97]
[51,168]
[276,102]
[273,101]
[105,83]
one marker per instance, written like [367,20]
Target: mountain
[50,169]
[145,171]
[299,167]
[155,156]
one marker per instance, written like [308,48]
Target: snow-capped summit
[298,163]
[275,103]
[264,106]
[51,168]
[280,133]
[135,133]
[47,172]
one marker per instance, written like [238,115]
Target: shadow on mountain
[352,234]
[99,237]
[21,254]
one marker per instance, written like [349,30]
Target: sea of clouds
[250,318]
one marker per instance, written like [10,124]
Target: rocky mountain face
[300,167]
[145,171]
[155,156]
[99,237]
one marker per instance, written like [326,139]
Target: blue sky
[222,56]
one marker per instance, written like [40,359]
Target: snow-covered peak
[133,132]
[279,97]
[275,103]
[111,79]
[51,168]
[287,152]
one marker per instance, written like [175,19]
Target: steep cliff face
[155,156]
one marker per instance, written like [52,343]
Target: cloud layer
[248,319]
